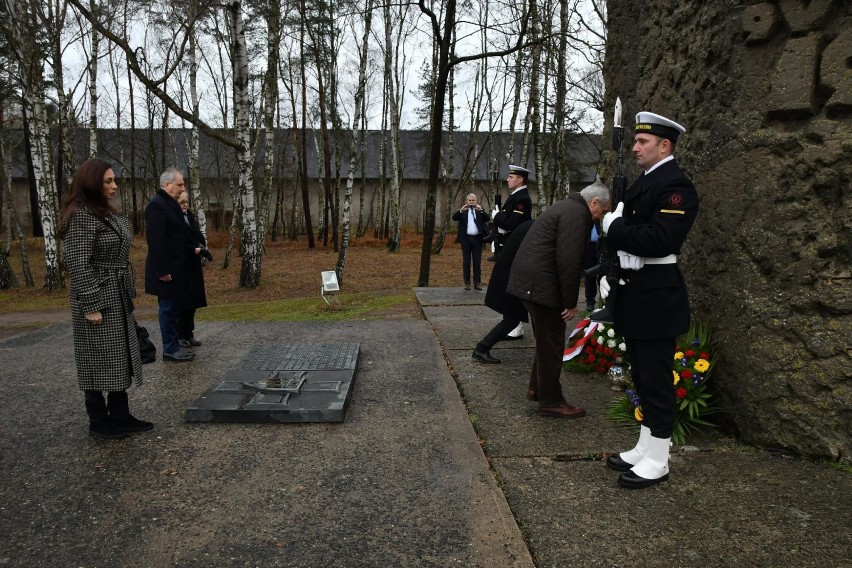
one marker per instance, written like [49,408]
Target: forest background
[329,71]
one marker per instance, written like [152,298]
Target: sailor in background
[652,306]
[516,210]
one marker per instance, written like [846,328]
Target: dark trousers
[471,257]
[169,309]
[186,323]
[591,281]
[651,367]
[498,332]
[549,329]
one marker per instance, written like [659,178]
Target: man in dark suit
[473,226]
[516,209]
[546,275]
[165,265]
[652,306]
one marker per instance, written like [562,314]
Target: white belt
[670,259]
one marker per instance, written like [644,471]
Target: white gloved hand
[605,286]
[630,261]
[611,216]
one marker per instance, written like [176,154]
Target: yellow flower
[676,377]
[702,365]
[637,414]
[678,355]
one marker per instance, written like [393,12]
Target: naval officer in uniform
[652,307]
[517,208]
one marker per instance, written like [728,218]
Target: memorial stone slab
[298,382]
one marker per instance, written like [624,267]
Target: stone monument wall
[765,92]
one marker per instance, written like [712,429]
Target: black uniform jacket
[166,233]
[659,210]
[516,210]
[496,296]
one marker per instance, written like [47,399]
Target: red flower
[593,341]
[686,374]
[591,358]
[607,351]
[704,355]
[689,353]
[599,348]
[680,392]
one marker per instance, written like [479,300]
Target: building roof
[156,148]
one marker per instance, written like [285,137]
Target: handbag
[147,350]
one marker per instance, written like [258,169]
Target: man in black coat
[516,209]
[472,227]
[652,306]
[497,299]
[165,265]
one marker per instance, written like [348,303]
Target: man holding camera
[473,226]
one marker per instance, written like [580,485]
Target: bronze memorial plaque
[300,382]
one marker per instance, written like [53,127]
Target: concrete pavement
[425,471]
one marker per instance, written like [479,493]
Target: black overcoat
[196,297]
[496,297]
[659,210]
[166,233]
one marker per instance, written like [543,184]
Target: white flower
[611,333]
[601,327]
[622,347]
[610,343]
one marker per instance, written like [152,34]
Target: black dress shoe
[512,338]
[630,480]
[467,286]
[615,462]
[485,357]
[491,258]
[477,287]
[178,356]
[184,343]
[194,342]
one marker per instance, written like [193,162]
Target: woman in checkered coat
[96,244]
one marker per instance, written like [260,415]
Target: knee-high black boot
[100,423]
[119,411]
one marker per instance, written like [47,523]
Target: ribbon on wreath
[586,327]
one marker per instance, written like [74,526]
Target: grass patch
[364,305]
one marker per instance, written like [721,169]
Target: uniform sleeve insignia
[675,200]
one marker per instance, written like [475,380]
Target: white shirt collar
[658,164]
[519,189]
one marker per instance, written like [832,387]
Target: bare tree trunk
[395,237]
[194,168]
[250,268]
[65,144]
[535,102]
[306,201]
[350,180]
[270,104]
[31,65]
[93,84]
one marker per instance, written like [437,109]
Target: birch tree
[29,56]
[353,141]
